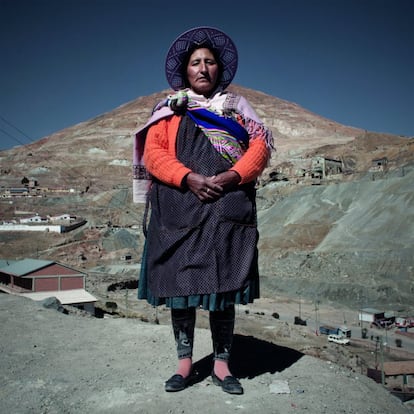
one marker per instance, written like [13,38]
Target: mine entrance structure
[322,167]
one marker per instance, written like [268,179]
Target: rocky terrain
[54,363]
[348,239]
[336,245]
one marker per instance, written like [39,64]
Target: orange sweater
[160,156]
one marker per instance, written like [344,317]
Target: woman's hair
[191,51]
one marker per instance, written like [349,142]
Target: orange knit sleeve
[160,155]
[256,158]
[253,162]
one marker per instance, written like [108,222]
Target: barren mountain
[347,239]
[97,153]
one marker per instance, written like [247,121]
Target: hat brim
[210,37]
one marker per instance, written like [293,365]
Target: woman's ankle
[184,367]
[221,369]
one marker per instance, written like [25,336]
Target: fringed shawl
[226,104]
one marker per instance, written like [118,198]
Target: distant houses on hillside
[61,219]
[319,169]
[30,188]
[62,223]
[9,192]
[313,169]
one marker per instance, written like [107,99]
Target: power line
[11,136]
[17,129]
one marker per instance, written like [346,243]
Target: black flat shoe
[177,382]
[229,384]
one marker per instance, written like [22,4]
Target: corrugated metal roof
[65,297]
[372,311]
[25,266]
[6,262]
[399,368]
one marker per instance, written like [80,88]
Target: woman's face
[202,72]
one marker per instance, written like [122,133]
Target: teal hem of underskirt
[211,301]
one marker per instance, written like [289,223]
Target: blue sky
[67,61]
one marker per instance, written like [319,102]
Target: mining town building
[41,279]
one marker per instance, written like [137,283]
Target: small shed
[370,315]
[379,164]
[34,219]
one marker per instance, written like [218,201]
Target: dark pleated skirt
[210,302]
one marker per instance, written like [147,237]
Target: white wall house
[34,219]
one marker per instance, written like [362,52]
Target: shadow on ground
[251,357]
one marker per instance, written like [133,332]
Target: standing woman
[203,147]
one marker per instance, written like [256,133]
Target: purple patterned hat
[201,36]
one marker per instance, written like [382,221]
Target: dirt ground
[57,363]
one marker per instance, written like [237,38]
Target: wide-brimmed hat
[209,37]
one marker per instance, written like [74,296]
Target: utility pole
[316,316]
[126,300]
[382,361]
[361,316]
[377,339]
[386,338]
